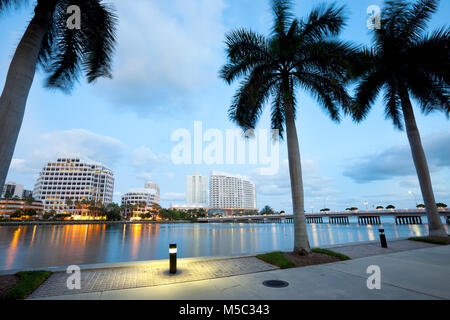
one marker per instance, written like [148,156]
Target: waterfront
[30,246]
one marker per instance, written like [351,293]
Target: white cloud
[146,176]
[68,143]
[165,47]
[144,157]
[280,184]
[20,166]
[396,161]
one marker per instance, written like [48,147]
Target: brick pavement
[156,273]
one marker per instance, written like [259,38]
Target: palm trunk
[435,227]
[301,242]
[17,86]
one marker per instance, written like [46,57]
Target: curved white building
[149,195]
[75,179]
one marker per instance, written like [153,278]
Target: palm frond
[63,54]
[282,16]
[393,108]
[432,95]
[248,102]
[245,50]
[100,41]
[366,93]
[331,57]
[242,44]
[328,91]
[417,18]
[323,21]
[66,53]
[6,4]
[277,112]
[431,54]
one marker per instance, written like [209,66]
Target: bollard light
[382,238]
[173,257]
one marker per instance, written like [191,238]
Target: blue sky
[165,78]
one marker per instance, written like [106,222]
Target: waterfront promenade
[409,270]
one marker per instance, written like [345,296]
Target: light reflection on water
[41,246]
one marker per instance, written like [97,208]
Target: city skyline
[374,170]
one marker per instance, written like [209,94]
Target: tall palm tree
[405,63]
[63,54]
[298,53]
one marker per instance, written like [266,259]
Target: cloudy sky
[165,79]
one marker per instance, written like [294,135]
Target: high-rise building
[13,190]
[197,189]
[142,198]
[228,191]
[154,189]
[74,179]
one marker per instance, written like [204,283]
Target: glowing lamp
[173,257]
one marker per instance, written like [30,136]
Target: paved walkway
[409,270]
[373,248]
[154,274]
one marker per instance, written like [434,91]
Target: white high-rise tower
[228,191]
[197,189]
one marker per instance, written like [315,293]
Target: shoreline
[81,222]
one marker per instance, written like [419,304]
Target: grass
[28,282]
[429,240]
[331,253]
[276,258]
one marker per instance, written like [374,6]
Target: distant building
[12,189]
[197,190]
[185,207]
[27,194]
[8,207]
[143,199]
[228,191]
[74,179]
[150,185]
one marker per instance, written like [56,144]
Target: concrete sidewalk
[405,274]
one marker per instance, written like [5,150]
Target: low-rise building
[14,190]
[8,207]
[141,200]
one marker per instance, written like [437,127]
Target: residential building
[75,179]
[196,190]
[228,191]
[12,190]
[143,199]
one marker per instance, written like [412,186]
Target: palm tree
[407,62]
[62,53]
[298,53]
[266,210]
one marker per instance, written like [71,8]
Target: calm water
[43,246]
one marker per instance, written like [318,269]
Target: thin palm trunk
[17,86]
[301,242]
[435,226]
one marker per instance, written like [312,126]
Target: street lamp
[366,203]
[173,257]
[412,193]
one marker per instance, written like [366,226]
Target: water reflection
[41,246]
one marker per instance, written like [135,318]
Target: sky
[165,84]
